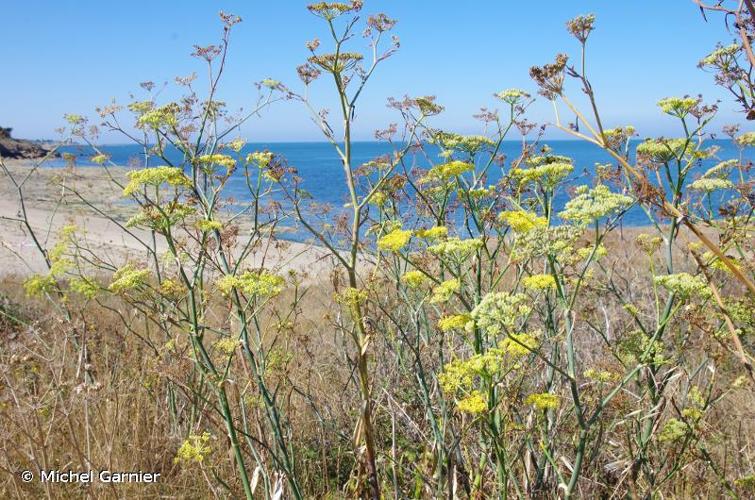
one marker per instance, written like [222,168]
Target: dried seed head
[331,10]
[581,27]
[550,77]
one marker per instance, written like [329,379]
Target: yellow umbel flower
[217,159]
[592,204]
[539,282]
[684,285]
[395,240]
[475,403]
[205,225]
[378,199]
[127,278]
[228,283]
[649,243]
[172,289]
[155,176]
[141,107]
[84,286]
[543,400]
[512,96]
[39,284]
[227,346]
[600,251]
[460,375]
[261,158]
[677,106]
[164,116]
[498,312]
[521,221]
[470,144]
[434,233]
[351,297]
[456,248]
[519,344]
[444,291]
[262,284]
[617,137]
[602,376]
[721,169]
[237,144]
[454,322]
[446,171]
[663,150]
[746,139]
[99,159]
[414,279]
[548,173]
[456,375]
[194,449]
[722,56]
[708,185]
[674,430]
[714,262]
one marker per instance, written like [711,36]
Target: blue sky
[69,56]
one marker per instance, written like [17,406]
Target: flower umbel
[539,282]
[499,311]
[543,401]
[155,176]
[522,221]
[395,240]
[194,449]
[685,285]
[593,204]
[444,291]
[414,279]
[454,322]
[261,283]
[678,106]
[475,403]
[128,277]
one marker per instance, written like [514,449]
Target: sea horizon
[633,140]
[319,167]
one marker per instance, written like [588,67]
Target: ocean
[318,165]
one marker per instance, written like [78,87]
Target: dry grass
[52,418]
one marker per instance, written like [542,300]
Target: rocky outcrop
[20,148]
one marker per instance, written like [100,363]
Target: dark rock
[20,148]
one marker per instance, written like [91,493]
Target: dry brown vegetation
[123,421]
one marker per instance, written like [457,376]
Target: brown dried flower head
[185,81]
[331,10]
[581,27]
[380,23]
[550,77]
[336,64]
[207,53]
[731,130]
[229,19]
[307,73]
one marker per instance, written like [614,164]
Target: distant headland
[21,148]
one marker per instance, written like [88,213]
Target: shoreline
[52,202]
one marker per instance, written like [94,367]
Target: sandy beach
[54,198]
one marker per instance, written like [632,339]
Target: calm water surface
[318,164]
